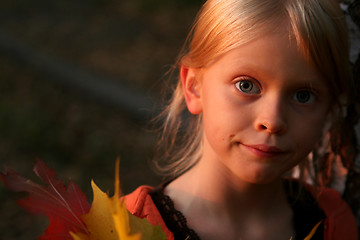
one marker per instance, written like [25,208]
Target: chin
[260,178]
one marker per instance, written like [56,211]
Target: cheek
[309,143]
[219,128]
[309,133]
[225,122]
[216,129]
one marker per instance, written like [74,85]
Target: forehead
[275,55]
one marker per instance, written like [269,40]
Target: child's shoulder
[140,204]
[329,200]
[340,220]
[139,201]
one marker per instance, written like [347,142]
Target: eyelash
[310,99]
[256,89]
[246,82]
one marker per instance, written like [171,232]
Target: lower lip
[260,153]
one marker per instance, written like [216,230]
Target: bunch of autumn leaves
[70,215]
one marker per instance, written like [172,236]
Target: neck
[221,190]
[218,204]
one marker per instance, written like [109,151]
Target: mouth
[264,150]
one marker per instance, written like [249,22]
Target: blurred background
[79,81]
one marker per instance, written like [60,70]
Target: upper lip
[266,148]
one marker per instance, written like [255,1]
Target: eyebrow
[253,68]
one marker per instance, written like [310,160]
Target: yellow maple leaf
[312,232]
[108,219]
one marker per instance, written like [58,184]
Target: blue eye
[304,96]
[247,86]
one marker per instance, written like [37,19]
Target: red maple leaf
[63,206]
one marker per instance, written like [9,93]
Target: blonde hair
[220,26]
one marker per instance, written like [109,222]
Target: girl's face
[264,107]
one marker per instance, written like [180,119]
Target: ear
[191,88]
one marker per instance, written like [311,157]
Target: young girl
[266,84]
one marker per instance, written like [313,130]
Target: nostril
[272,127]
[263,127]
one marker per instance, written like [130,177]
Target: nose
[271,117]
